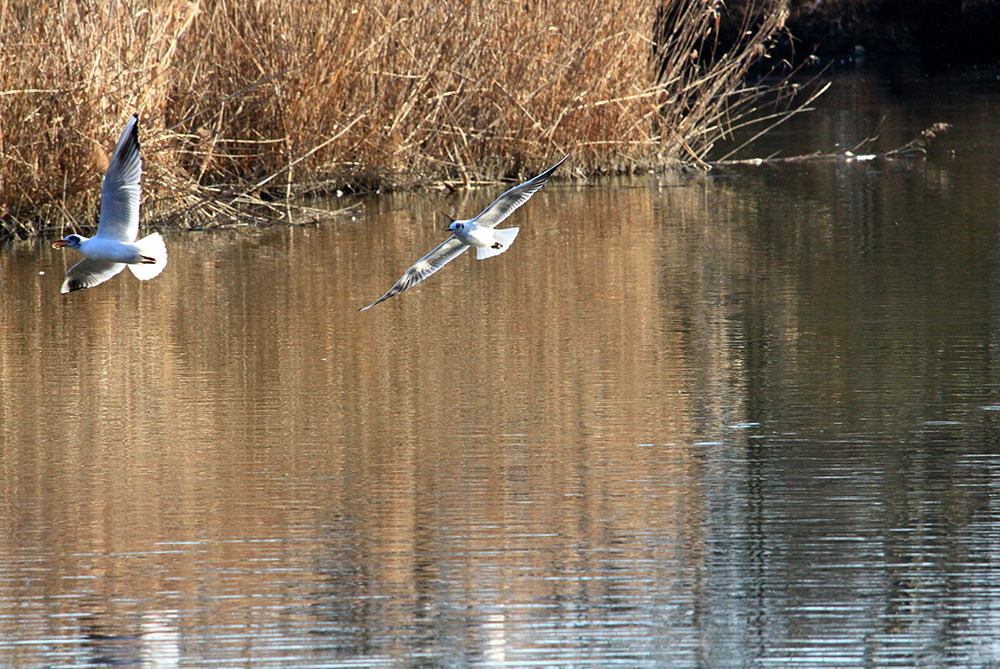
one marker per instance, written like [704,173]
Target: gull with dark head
[479,232]
[114,246]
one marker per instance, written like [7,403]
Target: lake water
[746,420]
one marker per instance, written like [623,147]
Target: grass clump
[258,102]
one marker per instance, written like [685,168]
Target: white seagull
[114,245]
[479,232]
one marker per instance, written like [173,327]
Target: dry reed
[261,101]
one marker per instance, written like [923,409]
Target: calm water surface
[751,420]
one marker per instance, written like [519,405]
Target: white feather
[151,246]
[502,239]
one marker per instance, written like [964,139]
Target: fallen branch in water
[915,148]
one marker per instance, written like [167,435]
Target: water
[749,420]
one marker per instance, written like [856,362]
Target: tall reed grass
[259,101]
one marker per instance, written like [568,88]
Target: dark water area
[744,420]
[941,35]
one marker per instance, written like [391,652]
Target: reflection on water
[718,422]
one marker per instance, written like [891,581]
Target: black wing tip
[373,303]
[544,176]
[131,140]
[72,285]
[395,290]
[135,130]
[384,297]
[561,161]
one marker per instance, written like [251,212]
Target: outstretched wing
[445,252]
[88,273]
[120,188]
[505,205]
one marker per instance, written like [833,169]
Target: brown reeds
[259,101]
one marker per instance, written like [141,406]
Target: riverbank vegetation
[246,105]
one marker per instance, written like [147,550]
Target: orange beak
[59,244]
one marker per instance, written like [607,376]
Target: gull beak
[59,244]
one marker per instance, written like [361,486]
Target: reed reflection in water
[697,422]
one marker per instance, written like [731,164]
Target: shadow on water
[717,422]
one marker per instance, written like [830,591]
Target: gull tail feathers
[151,246]
[503,239]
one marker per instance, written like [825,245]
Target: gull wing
[120,188]
[443,254]
[88,273]
[505,205]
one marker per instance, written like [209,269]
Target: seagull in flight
[114,246]
[480,232]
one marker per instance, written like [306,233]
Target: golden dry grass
[253,101]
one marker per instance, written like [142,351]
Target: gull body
[114,247]
[488,241]
[479,232]
[107,250]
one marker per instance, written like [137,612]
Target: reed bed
[257,103]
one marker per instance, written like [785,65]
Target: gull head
[72,241]
[457,226]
